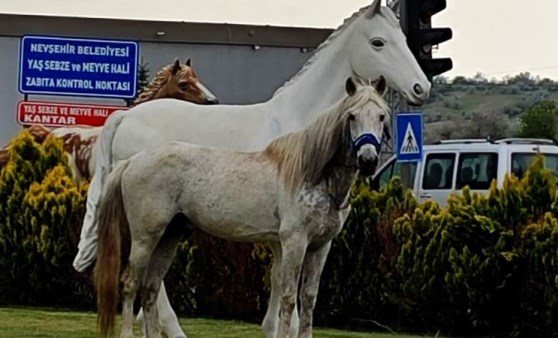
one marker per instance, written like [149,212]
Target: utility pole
[392,97]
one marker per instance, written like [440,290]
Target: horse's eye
[382,117]
[183,85]
[351,117]
[377,43]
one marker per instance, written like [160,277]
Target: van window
[438,173]
[477,170]
[384,177]
[396,169]
[407,172]
[522,161]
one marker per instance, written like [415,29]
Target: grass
[35,323]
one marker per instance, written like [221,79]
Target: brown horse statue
[176,80]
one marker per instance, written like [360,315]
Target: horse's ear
[175,67]
[381,85]
[396,7]
[189,62]
[350,86]
[374,9]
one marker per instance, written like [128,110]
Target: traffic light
[416,21]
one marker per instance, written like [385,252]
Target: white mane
[303,155]
[391,19]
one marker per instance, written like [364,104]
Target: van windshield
[521,162]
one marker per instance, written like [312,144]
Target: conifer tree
[143,80]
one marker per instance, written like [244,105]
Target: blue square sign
[409,137]
[52,65]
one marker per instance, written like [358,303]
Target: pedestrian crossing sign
[409,137]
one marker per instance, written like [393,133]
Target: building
[240,64]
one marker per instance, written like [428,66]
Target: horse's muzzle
[367,167]
[212,100]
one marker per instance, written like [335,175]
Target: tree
[143,81]
[486,124]
[39,206]
[540,121]
[480,78]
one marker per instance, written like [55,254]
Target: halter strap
[338,204]
[367,138]
[353,145]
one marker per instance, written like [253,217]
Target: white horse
[293,194]
[368,44]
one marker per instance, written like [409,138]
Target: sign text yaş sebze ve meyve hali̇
[78,67]
[54,114]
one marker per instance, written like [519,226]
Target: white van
[448,166]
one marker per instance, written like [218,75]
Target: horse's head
[184,84]
[367,123]
[377,44]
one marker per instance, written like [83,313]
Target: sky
[495,37]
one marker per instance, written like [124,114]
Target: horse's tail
[103,155]
[113,229]
[103,162]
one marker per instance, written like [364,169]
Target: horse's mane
[303,156]
[159,80]
[326,43]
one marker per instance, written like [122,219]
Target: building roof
[17,25]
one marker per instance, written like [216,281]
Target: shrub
[350,287]
[38,206]
[539,294]
[482,265]
[461,268]
[217,278]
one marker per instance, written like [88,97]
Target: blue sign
[408,137]
[78,67]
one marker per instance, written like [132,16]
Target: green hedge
[39,206]
[41,212]
[482,265]
[361,255]
[213,277]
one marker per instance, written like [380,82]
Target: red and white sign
[54,114]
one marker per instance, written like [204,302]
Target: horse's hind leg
[167,318]
[140,255]
[162,258]
[129,291]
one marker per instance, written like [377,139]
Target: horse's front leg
[271,319]
[293,248]
[311,271]
[270,323]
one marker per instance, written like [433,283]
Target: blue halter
[367,138]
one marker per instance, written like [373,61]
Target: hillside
[478,107]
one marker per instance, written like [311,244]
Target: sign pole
[406,175]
